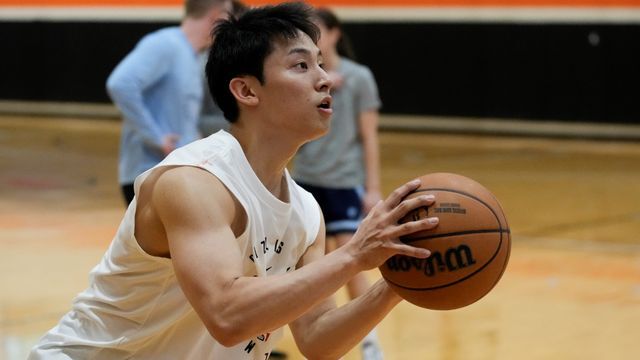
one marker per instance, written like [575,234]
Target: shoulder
[166,33]
[355,68]
[360,75]
[186,179]
[183,191]
[184,202]
[160,40]
[184,176]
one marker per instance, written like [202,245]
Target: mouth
[325,105]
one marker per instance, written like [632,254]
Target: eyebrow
[302,51]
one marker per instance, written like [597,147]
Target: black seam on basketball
[457,233]
[501,231]
[483,203]
[459,280]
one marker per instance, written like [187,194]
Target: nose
[325,82]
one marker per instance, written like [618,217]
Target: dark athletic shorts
[342,208]
[127,193]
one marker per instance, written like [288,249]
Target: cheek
[290,93]
[287,103]
[295,96]
[296,103]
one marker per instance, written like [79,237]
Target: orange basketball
[470,247]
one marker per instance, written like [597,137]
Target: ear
[242,90]
[335,34]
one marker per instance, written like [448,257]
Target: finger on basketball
[412,251]
[410,227]
[400,193]
[408,205]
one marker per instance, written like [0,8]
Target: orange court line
[360,3]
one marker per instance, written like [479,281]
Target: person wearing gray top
[341,169]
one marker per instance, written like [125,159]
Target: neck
[194,30]
[267,154]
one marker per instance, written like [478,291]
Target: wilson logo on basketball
[452,260]
[450,208]
[444,208]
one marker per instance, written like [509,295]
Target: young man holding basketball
[221,249]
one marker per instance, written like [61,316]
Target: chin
[322,131]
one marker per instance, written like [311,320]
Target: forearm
[371,151]
[251,306]
[372,164]
[129,101]
[337,331]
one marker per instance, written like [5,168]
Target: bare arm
[327,332]
[369,135]
[199,217]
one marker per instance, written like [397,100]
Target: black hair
[331,21]
[239,7]
[242,44]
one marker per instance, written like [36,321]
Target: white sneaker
[371,350]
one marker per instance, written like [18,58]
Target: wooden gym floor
[571,291]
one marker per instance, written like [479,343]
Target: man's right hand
[169,143]
[378,236]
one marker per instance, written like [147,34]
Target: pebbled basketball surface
[470,246]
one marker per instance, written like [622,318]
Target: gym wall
[568,60]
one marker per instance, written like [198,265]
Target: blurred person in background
[342,168]
[158,88]
[211,117]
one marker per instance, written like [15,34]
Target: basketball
[470,247]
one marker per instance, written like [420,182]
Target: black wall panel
[572,72]
[63,61]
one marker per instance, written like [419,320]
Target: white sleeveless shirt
[134,307]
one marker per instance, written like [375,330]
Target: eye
[302,65]
[322,66]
